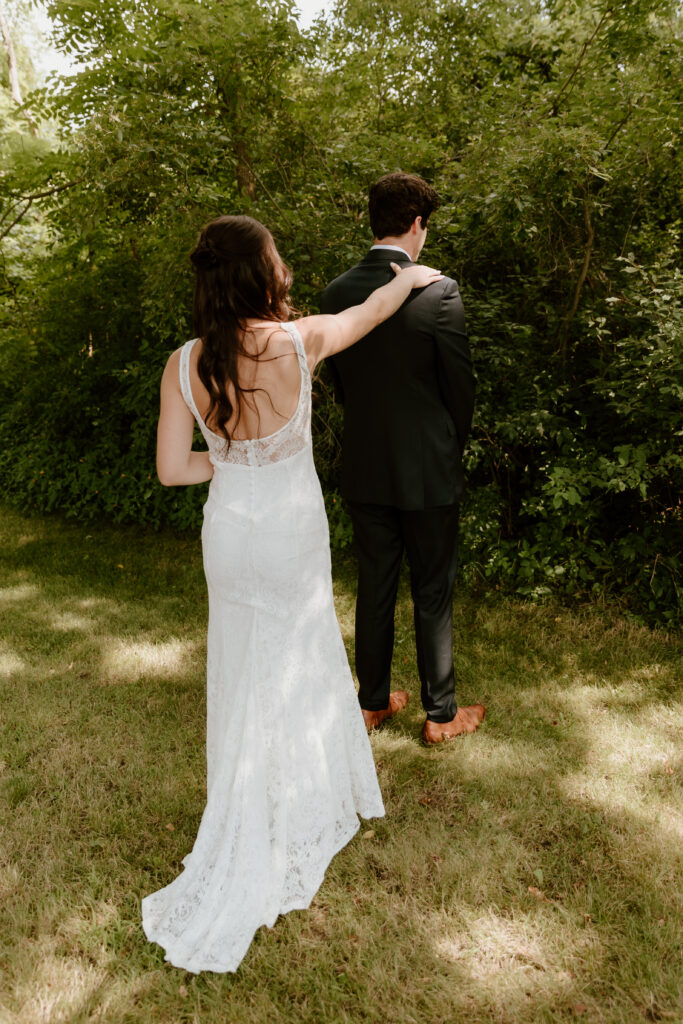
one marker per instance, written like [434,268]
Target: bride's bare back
[269,379]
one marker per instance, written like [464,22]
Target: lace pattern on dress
[261,451]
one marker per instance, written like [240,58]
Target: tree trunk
[11,59]
[590,238]
[245,175]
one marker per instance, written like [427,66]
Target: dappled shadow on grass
[569,841]
[525,873]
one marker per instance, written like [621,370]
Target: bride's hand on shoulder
[328,334]
[419,276]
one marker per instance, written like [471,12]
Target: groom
[408,395]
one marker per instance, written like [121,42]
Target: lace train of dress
[289,764]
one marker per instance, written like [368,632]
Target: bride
[289,764]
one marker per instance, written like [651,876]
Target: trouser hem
[442,719]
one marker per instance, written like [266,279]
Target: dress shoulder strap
[184,373]
[298,342]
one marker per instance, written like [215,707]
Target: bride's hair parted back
[239,276]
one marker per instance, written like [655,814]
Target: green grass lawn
[528,873]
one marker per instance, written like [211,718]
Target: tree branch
[29,200]
[256,177]
[564,331]
[16,220]
[50,191]
[582,54]
[620,124]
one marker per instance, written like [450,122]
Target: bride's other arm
[327,334]
[176,462]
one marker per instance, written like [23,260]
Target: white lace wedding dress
[289,764]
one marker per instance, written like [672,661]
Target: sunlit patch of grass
[62,988]
[126,659]
[68,621]
[527,873]
[19,593]
[10,662]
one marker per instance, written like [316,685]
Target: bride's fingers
[421,276]
[397,269]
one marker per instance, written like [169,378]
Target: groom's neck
[407,242]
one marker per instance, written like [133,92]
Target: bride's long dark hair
[239,275]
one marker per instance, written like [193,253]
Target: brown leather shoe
[466,720]
[397,701]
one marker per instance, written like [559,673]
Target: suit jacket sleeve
[326,304]
[455,363]
[337,386]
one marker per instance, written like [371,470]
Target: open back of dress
[289,764]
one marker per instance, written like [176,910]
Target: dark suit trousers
[430,540]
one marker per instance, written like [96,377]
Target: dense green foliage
[550,128]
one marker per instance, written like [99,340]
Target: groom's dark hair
[396,200]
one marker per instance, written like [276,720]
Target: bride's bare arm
[176,462]
[327,333]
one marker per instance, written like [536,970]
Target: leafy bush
[550,129]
